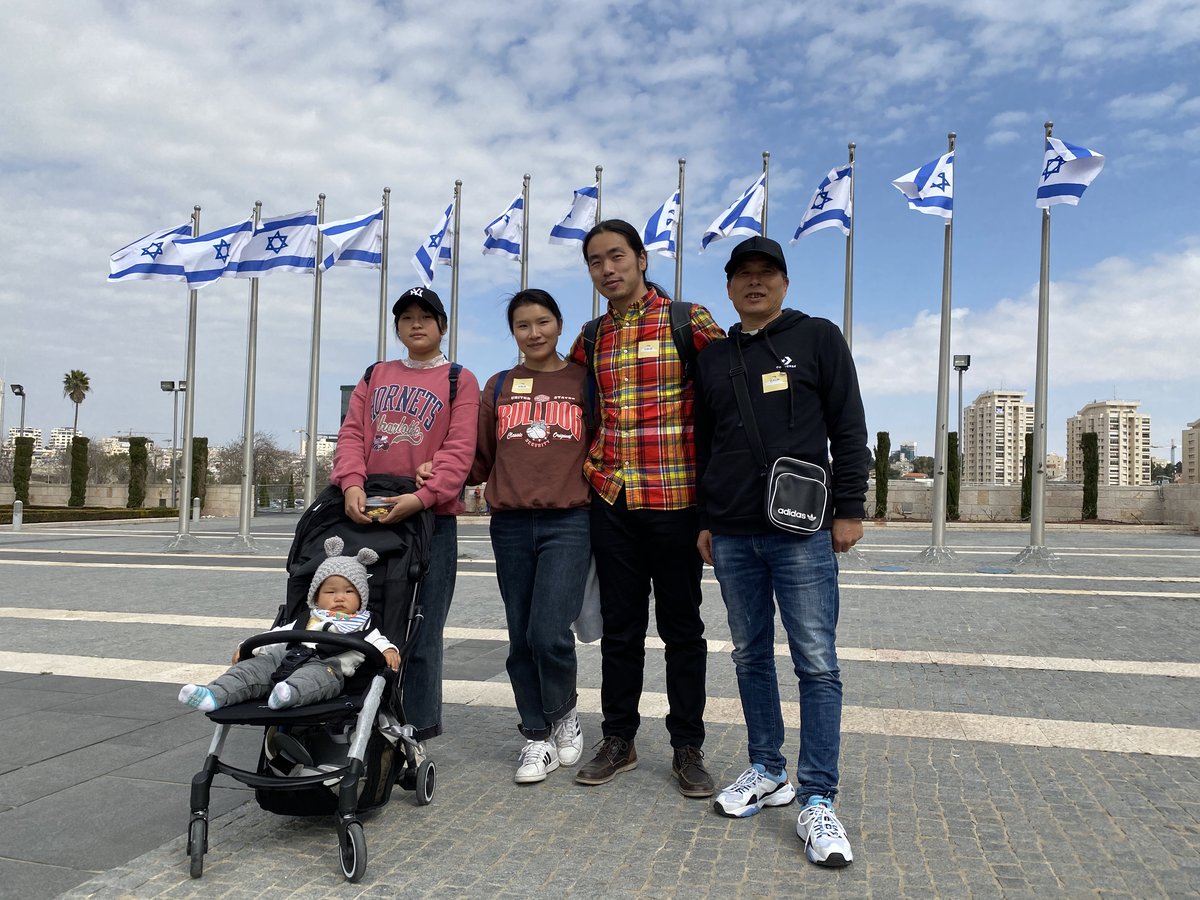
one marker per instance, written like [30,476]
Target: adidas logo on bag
[795,514]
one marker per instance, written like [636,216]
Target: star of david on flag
[830,204]
[437,248]
[660,234]
[574,226]
[930,189]
[355,242]
[1066,172]
[280,244]
[211,256]
[505,234]
[152,257]
[743,217]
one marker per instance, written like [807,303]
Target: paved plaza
[1006,734]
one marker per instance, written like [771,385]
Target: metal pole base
[1036,559]
[935,558]
[181,543]
[241,544]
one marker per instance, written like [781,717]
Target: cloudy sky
[120,116]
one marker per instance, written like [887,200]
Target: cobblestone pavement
[1007,734]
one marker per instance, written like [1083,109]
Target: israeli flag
[281,244]
[830,204]
[743,217]
[355,242]
[580,219]
[210,256]
[152,257]
[1066,173]
[930,189]
[661,229]
[437,248]
[505,234]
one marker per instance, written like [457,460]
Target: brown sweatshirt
[533,440]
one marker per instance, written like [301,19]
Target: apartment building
[1190,445]
[994,429]
[1123,435]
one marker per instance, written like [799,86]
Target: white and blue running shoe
[753,790]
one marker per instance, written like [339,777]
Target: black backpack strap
[590,409]
[455,368]
[500,376]
[367,374]
[681,333]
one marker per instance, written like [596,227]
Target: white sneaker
[753,790]
[568,738]
[537,758]
[825,841]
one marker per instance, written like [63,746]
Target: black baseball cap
[760,246]
[425,297]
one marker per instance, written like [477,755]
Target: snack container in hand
[378,507]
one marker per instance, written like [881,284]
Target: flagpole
[937,552]
[183,540]
[454,274]
[314,369]
[848,305]
[679,235]
[525,232]
[243,543]
[1037,555]
[766,188]
[599,219]
[381,348]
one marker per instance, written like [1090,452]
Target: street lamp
[173,389]
[19,390]
[961,364]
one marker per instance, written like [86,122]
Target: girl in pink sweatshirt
[407,412]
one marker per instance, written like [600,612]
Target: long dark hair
[532,297]
[627,231]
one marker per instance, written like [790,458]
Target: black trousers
[635,548]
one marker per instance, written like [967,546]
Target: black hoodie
[819,416]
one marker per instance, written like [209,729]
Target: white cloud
[1151,105]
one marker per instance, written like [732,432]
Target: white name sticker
[522,386]
[647,349]
[774,381]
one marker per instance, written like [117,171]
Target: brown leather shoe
[613,756]
[688,766]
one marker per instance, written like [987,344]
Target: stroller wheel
[197,844]
[426,775]
[354,852]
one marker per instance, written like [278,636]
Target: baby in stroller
[305,673]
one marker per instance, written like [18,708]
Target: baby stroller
[342,756]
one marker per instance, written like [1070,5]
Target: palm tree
[76,385]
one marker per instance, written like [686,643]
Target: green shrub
[38,514]
[79,471]
[953,477]
[22,467]
[1090,444]
[1027,479]
[138,459]
[199,471]
[883,449]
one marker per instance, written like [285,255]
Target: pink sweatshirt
[403,418]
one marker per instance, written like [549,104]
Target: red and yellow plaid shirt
[644,440]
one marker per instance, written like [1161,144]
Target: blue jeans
[800,574]
[422,699]
[542,564]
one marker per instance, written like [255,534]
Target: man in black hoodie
[804,394]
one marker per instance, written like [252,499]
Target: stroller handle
[328,638]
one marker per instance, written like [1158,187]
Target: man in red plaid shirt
[642,469]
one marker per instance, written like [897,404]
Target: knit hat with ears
[352,568]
